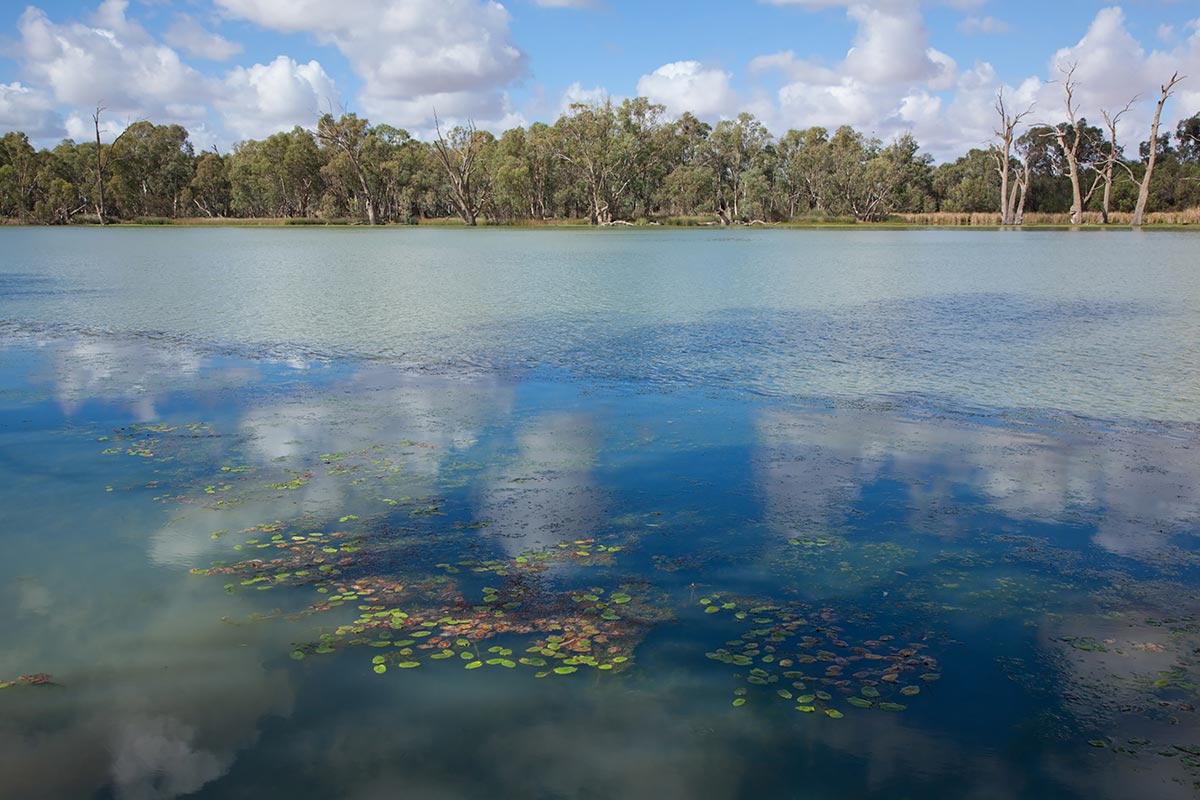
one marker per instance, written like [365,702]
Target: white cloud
[575,93]
[197,41]
[113,62]
[28,110]
[409,53]
[268,98]
[690,86]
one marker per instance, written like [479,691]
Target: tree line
[601,162]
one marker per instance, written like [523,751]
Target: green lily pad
[891,707]
[806,709]
[380,669]
[859,702]
[909,691]
[739,702]
[408,664]
[565,670]
[474,665]
[833,713]
[870,691]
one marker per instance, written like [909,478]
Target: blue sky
[235,69]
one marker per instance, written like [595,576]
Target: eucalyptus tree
[155,165]
[1002,153]
[1070,138]
[1139,211]
[590,140]
[345,138]
[1111,157]
[649,138]
[210,191]
[861,178]
[805,165]
[280,176]
[970,184]
[104,158]
[463,154]
[734,147]
[689,185]
[1187,138]
[18,175]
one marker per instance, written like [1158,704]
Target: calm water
[442,514]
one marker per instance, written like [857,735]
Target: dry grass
[950,219]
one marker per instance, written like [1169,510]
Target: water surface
[794,514]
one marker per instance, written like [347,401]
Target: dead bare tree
[1139,211]
[1003,155]
[1069,137]
[1111,158]
[103,163]
[460,157]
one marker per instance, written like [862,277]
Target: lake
[591,514]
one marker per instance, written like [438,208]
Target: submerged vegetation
[854,625]
[600,164]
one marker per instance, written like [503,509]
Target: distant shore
[1092,220]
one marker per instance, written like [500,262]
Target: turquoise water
[794,514]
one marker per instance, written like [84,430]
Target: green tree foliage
[604,162]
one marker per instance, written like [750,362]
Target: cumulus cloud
[409,53]
[25,109]
[266,98]
[112,61]
[690,86]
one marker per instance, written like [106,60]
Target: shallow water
[241,467]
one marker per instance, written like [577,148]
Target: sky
[230,70]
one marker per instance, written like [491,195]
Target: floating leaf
[870,691]
[833,713]
[1097,743]
[739,702]
[909,691]
[891,707]
[409,664]
[380,669]
[565,670]
[474,665]
[859,702]
[806,709]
